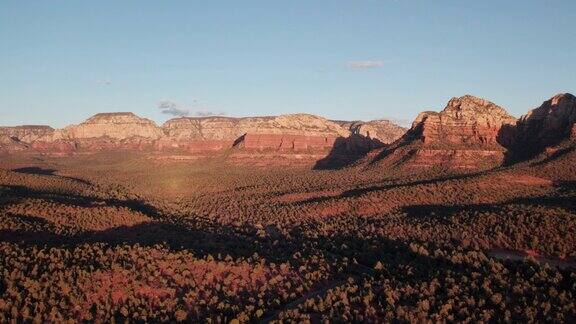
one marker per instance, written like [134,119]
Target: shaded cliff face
[469,133]
[546,126]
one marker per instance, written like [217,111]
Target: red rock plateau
[307,137]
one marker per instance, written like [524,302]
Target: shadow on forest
[362,191]
[78,200]
[201,236]
[48,172]
[208,240]
[556,155]
[445,212]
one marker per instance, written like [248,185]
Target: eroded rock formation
[470,132]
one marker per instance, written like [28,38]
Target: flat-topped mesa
[468,133]
[120,126]
[232,128]
[548,125]
[296,131]
[122,130]
[26,133]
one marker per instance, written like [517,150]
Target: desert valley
[468,215]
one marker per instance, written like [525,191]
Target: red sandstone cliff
[302,133]
[469,133]
[286,132]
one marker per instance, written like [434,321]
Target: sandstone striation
[469,133]
[285,132]
[466,121]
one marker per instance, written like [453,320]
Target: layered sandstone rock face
[287,138]
[466,121]
[103,131]
[286,132]
[27,133]
[381,130]
[548,125]
[469,133]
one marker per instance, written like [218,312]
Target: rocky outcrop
[466,121]
[381,130]
[546,126]
[469,133]
[27,133]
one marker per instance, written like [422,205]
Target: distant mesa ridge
[298,133]
[469,133]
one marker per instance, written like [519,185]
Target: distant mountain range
[469,133]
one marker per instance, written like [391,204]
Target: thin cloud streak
[172,108]
[364,65]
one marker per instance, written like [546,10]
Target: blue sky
[62,61]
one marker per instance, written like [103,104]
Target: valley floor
[133,236]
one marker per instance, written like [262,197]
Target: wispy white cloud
[172,108]
[169,107]
[364,65]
